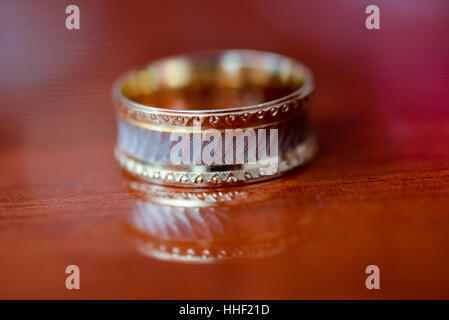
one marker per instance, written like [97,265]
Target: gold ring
[214,118]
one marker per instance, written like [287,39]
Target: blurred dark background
[400,71]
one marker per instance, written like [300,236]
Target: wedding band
[247,108]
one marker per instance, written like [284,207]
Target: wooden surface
[376,194]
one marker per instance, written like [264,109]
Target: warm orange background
[376,194]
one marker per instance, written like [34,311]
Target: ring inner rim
[224,68]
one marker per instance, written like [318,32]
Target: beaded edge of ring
[302,154]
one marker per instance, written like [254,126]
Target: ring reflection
[211,225]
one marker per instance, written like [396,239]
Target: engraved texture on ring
[144,143]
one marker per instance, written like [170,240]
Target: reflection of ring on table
[214,118]
[205,225]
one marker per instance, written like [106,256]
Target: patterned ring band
[214,118]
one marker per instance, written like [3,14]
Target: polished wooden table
[377,193]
